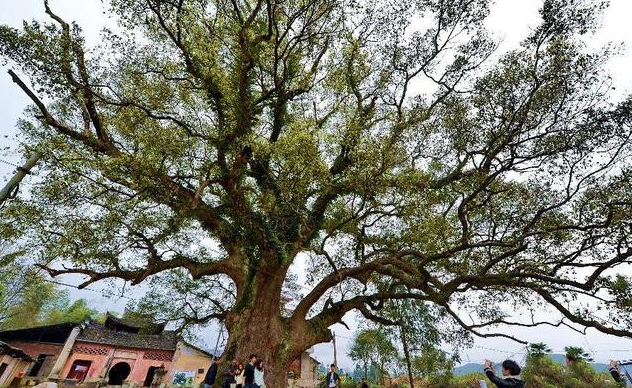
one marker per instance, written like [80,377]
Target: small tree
[419,329]
[541,371]
[574,353]
[434,365]
[536,350]
[373,348]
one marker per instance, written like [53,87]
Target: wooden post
[219,334]
[65,353]
[335,358]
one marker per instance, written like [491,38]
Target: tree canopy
[27,299]
[386,144]
[374,349]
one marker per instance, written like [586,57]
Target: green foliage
[543,372]
[66,311]
[574,353]
[417,329]
[538,349]
[466,381]
[349,383]
[433,364]
[27,299]
[43,304]
[373,347]
[621,286]
[540,371]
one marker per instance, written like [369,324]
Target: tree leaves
[227,139]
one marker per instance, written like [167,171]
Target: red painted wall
[34,349]
[99,355]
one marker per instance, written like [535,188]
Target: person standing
[616,373]
[259,381]
[249,372]
[364,383]
[239,376]
[229,375]
[511,374]
[332,380]
[211,374]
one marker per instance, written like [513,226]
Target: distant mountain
[467,369]
[559,358]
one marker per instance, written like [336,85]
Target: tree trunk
[266,341]
[407,357]
[256,326]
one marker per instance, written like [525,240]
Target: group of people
[511,373]
[250,375]
[237,375]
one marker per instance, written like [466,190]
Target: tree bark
[407,357]
[256,326]
[252,334]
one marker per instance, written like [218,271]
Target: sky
[510,21]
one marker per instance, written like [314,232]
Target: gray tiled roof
[98,333]
[13,352]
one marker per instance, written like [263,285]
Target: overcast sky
[510,21]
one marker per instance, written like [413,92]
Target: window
[79,370]
[3,368]
[37,365]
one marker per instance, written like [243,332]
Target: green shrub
[543,372]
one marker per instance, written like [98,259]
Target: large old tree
[386,146]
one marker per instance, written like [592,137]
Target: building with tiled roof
[14,363]
[118,351]
[101,334]
[112,352]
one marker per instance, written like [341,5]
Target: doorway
[151,372]
[37,365]
[118,373]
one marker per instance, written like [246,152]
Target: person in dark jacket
[229,374]
[211,374]
[364,384]
[332,380]
[511,374]
[249,372]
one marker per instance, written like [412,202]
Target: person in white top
[239,377]
[259,374]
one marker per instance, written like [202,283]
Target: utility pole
[335,359]
[219,335]
[9,190]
